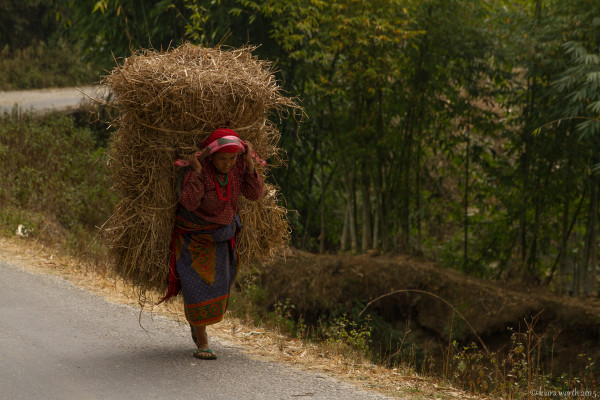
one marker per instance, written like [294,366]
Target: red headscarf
[220,133]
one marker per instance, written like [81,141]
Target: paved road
[46,100]
[60,342]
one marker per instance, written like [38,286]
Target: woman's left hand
[248,158]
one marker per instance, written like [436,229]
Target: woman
[203,257]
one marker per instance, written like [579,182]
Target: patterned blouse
[199,193]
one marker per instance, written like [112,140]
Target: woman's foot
[201,340]
[205,354]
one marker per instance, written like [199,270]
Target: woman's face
[223,162]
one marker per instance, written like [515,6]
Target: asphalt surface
[48,100]
[58,341]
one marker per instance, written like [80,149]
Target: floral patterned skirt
[205,259]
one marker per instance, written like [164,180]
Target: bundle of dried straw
[168,103]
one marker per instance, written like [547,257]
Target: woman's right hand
[197,158]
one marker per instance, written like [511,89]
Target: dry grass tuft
[168,103]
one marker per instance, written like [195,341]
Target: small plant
[346,332]
[283,316]
[469,366]
[255,294]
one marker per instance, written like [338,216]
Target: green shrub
[42,65]
[344,331]
[53,167]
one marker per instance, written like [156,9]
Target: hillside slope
[318,285]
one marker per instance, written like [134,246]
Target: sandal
[198,354]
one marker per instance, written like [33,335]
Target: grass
[517,371]
[42,65]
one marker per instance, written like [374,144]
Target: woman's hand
[248,158]
[197,158]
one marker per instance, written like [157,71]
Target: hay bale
[168,103]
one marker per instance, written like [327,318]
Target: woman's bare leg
[202,340]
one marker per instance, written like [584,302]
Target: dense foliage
[464,130]
[53,166]
[35,52]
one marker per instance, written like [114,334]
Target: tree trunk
[378,173]
[418,192]
[345,228]
[352,213]
[308,208]
[565,231]
[377,224]
[322,233]
[386,208]
[405,196]
[531,253]
[366,211]
[564,240]
[524,202]
[525,156]
[588,267]
[305,228]
[384,222]
[466,266]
